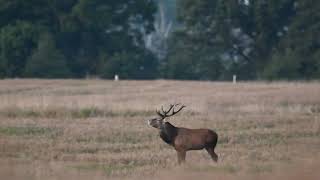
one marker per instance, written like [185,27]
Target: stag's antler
[165,113]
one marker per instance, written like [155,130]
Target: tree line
[255,39]
[75,38]
[214,39]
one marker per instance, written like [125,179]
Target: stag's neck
[168,133]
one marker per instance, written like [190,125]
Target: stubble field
[94,129]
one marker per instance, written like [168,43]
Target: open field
[94,129]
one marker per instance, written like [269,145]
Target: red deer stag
[183,139]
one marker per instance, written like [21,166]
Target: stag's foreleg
[181,156]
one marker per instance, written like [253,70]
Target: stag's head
[160,120]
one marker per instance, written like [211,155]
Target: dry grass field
[94,129]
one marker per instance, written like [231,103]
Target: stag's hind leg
[213,155]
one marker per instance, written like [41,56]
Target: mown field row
[80,129]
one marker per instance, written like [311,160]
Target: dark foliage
[213,39]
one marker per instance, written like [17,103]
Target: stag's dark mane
[168,133]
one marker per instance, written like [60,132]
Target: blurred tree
[16,44]
[108,27]
[130,66]
[47,61]
[243,34]
[196,48]
[297,56]
[190,60]
[81,30]
[283,66]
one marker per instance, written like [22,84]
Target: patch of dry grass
[81,129]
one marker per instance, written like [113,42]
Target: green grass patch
[315,109]
[260,139]
[271,138]
[221,168]
[29,131]
[86,150]
[117,137]
[89,112]
[260,168]
[224,139]
[60,112]
[113,168]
